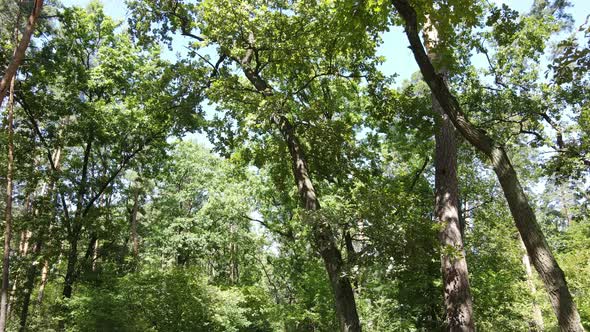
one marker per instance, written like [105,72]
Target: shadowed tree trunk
[524,217]
[457,294]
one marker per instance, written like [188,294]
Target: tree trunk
[457,293]
[323,236]
[8,211]
[536,324]
[134,237]
[71,267]
[524,217]
[44,278]
[28,286]
[19,52]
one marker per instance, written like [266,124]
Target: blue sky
[399,59]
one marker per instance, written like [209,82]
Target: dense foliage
[126,218]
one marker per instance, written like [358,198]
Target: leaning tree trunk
[19,52]
[323,236]
[457,294]
[522,212]
[8,211]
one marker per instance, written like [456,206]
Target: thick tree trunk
[524,217]
[71,267]
[8,211]
[536,323]
[19,52]
[457,293]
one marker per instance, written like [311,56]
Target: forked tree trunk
[524,217]
[457,294]
[29,284]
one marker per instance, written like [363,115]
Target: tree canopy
[247,165]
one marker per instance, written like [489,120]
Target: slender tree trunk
[323,235]
[44,278]
[29,284]
[536,324]
[95,254]
[134,236]
[19,52]
[524,216]
[8,211]
[457,293]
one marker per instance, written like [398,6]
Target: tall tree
[457,294]
[523,214]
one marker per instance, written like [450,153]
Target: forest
[295,165]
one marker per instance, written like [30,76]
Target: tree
[19,52]
[457,297]
[524,217]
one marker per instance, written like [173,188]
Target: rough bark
[457,293]
[524,217]
[323,236]
[19,52]
[8,211]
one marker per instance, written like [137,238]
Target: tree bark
[524,217]
[19,52]
[457,293]
[8,211]
[29,284]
